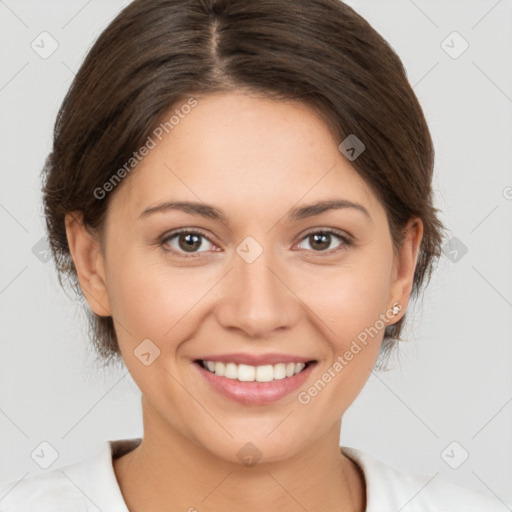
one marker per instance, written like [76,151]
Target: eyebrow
[211,212]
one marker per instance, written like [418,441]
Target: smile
[249,373]
[268,379]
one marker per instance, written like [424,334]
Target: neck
[168,468]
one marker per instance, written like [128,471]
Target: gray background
[451,381]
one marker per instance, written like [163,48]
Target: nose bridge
[253,271]
[258,300]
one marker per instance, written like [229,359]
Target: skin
[254,159]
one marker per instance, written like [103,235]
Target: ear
[405,265]
[87,256]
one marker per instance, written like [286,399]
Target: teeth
[280,371]
[264,373]
[247,373]
[230,371]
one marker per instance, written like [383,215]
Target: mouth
[254,384]
[250,373]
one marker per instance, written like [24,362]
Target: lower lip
[255,393]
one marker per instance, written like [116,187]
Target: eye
[321,239]
[187,241]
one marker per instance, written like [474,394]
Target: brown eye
[186,241]
[189,242]
[321,240]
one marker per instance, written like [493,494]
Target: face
[257,284]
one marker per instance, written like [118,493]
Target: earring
[396,309]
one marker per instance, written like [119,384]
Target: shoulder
[83,486]
[388,488]
[53,491]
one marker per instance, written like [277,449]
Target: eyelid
[338,232]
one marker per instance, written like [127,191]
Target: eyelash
[347,242]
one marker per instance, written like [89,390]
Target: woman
[242,193]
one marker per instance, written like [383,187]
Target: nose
[257,298]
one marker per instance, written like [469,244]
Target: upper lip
[256,359]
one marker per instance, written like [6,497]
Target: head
[250,110]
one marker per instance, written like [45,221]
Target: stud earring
[396,309]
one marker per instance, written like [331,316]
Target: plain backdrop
[445,407]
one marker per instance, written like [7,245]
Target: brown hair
[157,52]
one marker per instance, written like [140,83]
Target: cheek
[347,298]
[145,301]
[350,303]
[152,299]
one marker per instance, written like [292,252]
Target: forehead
[247,152]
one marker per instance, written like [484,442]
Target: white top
[91,485]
